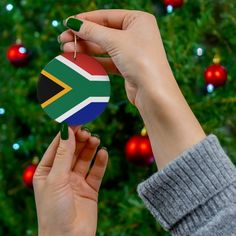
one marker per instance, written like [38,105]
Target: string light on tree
[199,51]
[169,8]
[2,111]
[9,7]
[55,23]
[210,88]
[16,146]
[173,4]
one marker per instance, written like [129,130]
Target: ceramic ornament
[73,90]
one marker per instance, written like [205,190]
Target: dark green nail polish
[95,135]
[74,24]
[64,131]
[85,129]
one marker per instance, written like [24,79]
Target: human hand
[132,41]
[66,193]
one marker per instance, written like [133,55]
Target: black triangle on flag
[47,89]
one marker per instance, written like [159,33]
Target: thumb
[64,153]
[87,30]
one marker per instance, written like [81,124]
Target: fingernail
[61,46]
[58,39]
[104,148]
[85,129]
[95,135]
[64,131]
[74,24]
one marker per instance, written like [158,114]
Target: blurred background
[200,41]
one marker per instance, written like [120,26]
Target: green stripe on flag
[72,78]
[81,88]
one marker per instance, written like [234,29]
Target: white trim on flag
[81,71]
[81,105]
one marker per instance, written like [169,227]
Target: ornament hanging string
[75,46]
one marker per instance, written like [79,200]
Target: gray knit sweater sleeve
[196,193]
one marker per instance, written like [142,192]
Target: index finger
[113,18]
[109,18]
[49,155]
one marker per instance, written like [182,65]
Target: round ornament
[18,55]
[215,75]
[138,150]
[73,90]
[28,175]
[174,3]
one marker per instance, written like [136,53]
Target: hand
[66,193]
[132,41]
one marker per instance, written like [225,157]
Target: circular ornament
[18,55]
[73,90]
[216,75]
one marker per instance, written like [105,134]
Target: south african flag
[73,91]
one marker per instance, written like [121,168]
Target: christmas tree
[200,42]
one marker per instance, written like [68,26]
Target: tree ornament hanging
[73,88]
[28,173]
[138,150]
[18,55]
[216,74]
[173,3]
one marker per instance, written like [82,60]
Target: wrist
[50,233]
[171,125]
[157,92]
[155,81]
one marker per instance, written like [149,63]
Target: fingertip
[94,141]
[58,39]
[69,47]
[102,156]
[75,128]
[71,133]
[64,131]
[64,21]
[66,36]
[104,148]
[64,153]
[82,135]
[67,134]
[62,46]
[81,16]
[96,174]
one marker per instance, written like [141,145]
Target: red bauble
[138,150]
[174,3]
[215,75]
[28,175]
[18,55]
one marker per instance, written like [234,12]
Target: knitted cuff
[189,189]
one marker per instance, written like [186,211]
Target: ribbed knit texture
[196,193]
